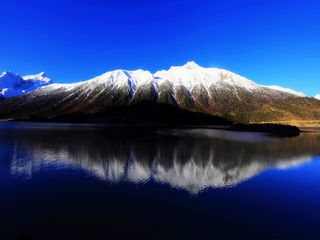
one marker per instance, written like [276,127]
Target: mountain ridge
[190,87]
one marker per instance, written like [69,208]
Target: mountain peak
[7,73]
[43,74]
[191,65]
[38,77]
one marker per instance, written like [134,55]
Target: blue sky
[270,41]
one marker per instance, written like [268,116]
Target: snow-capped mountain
[41,77]
[191,87]
[317,96]
[12,85]
[189,76]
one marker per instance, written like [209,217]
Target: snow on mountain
[287,90]
[121,78]
[317,96]
[187,86]
[189,76]
[37,77]
[12,85]
[113,79]
[3,91]
[192,74]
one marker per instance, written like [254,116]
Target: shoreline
[273,129]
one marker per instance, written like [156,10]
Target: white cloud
[317,96]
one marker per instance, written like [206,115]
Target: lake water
[60,181]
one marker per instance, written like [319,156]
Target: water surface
[62,181]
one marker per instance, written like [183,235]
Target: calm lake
[61,181]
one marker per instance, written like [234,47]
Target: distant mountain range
[12,85]
[192,88]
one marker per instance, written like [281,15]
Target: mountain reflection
[188,159]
